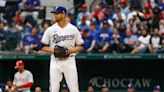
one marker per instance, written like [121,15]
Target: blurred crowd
[112,26]
[19,25]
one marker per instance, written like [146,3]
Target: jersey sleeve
[46,38]
[30,77]
[78,38]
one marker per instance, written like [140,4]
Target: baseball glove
[60,52]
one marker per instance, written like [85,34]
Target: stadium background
[117,70]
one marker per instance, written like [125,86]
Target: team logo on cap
[56,7]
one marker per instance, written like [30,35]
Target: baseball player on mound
[63,41]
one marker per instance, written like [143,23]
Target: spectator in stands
[97,22]
[110,12]
[161,49]
[9,41]
[104,88]
[143,40]
[160,4]
[119,16]
[9,12]
[161,27]
[155,41]
[89,41]
[147,11]
[104,38]
[103,4]
[133,26]
[115,24]
[13,36]
[18,18]
[19,21]
[94,29]
[147,16]
[104,9]
[136,21]
[38,89]
[121,28]
[110,2]
[31,42]
[22,4]
[156,17]
[10,27]
[30,21]
[30,4]
[90,88]
[130,41]
[2,36]
[45,25]
[83,24]
[111,25]
[9,86]
[84,11]
[124,7]
[157,88]
[130,88]
[2,87]
[162,14]
[97,13]
[72,19]
[30,7]
[117,42]
[137,3]
[133,12]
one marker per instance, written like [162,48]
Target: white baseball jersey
[67,37]
[22,78]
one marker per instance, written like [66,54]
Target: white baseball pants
[68,68]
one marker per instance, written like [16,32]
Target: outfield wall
[116,70]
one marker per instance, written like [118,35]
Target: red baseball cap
[123,2]
[84,6]
[84,17]
[19,63]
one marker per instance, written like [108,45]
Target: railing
[83,56]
